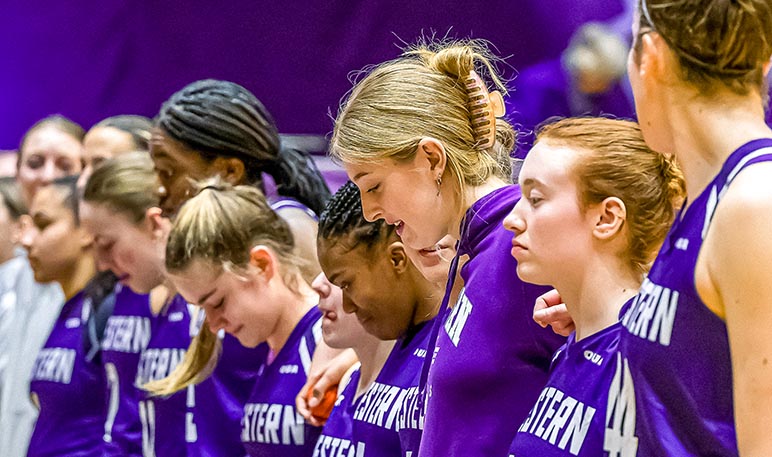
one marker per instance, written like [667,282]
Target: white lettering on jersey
[558,415]
[129,334]
[54,364]
[272,424]
[652,314]
[456,321]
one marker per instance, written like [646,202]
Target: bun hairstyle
[220,225]
[614,161]
[714,40]
[422,94]
[223,119]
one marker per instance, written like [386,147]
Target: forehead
[51,141]
[377,168]
[340,256]
[50,200]
[551,161]
[198,278]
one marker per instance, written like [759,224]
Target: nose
[27,232]
[348,305]
[321,286]
[49,172]
[370,209]
[514,221]
[215,320]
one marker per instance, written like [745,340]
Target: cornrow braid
[223,119]
[343,217]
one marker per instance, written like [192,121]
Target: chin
[530,275]
[247,341]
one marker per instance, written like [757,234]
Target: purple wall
[93,59]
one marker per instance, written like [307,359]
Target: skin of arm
[733,277]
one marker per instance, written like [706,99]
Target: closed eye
[373,189]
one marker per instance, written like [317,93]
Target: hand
[320,378]
[549,309]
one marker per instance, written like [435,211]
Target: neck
[160,296]
[372,354]
[596,295]
[295,305]
[83,270]
[470,197]
[704,132]
[426,295]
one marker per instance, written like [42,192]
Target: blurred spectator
[7,163]
[588,79]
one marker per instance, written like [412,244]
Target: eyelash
[373,189]
[219,304]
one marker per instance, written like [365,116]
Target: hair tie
[484,108]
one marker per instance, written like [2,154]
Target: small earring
[439,185]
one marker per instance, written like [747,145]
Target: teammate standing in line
[70,423]
[417,136]
[111,137]
[343,330]
[392,300]
[697,338]
[121,209]
[230,253]
[597,204]
[218,128]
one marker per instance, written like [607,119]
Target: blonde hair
[220,225]
[616,162]
[422,94]
[126,184]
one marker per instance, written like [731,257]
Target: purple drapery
[91,59]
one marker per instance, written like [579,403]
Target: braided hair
[223,119]
[343,216]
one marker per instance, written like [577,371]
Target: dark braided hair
[223,119]
[343,216]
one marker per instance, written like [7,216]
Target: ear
[231,169]
[85,238]
[262,258]
[611,215]
[398,257]
[433,152]
[656,58]
[158,225]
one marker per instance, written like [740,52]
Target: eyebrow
[532,182]
[205,296]
[359,175]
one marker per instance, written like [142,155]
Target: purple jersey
[199,421]
[569,418]
[167,422]
[227,392]
[336,437]
[271,425]
[126,335]
[380,413]
[491,359]
[676,348]
[69,390]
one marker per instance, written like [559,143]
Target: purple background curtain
[91,59]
